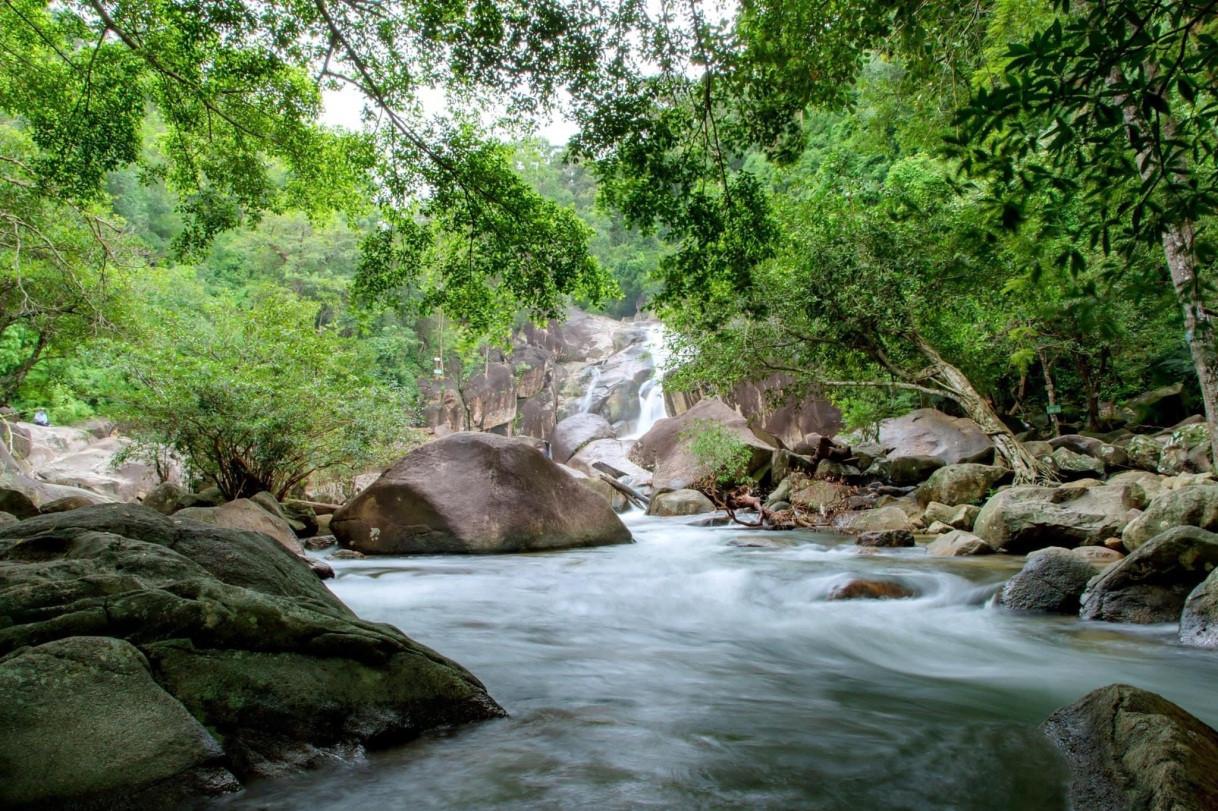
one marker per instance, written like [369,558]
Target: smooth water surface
[681,672]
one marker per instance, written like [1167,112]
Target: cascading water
[682,672]
[594,376]
[651,393]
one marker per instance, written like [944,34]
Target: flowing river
[681,672]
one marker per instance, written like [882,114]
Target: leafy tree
[254,397]
[1112,103]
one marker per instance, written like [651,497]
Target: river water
[681,672]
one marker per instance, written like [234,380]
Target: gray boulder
[166,498]
[1128,748]
[1195,506]
[927,432]
[576,431]
[886,538]
[1073,465]
[1052,580]
[904,471]
[244,514]
[1153,582]
[958,543]
[962,484]
[234,629]
[881,519]
[475,493]
[665,449]
[1199,619]
[680,502]
[84,723]
[1024,519]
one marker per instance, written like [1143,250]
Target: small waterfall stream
[594,376]
[651,394]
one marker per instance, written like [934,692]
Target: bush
[721,452]
[255,397]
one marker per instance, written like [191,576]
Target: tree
[254,397]
[63,266]
[1113,103]
[238,89]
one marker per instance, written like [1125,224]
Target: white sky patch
[343,108]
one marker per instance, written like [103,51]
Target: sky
[342,109]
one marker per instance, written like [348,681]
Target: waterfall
[585,404]
[651,393]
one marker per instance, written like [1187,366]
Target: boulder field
[151,661]
[471,493]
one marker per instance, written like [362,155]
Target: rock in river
[1153,582]
[475,493]
[1024,519]
[1051,580]
[151,661]
[1132,749]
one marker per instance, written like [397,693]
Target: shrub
[255,397]
[722,453]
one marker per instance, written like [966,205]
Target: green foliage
[253,395]
[722,453]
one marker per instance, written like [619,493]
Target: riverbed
[683,672]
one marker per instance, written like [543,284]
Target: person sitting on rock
[41,418]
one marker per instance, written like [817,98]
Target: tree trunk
[1050,391]
[1026,467]
[1198,328]
[13,380]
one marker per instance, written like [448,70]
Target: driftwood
[743,498]
[632,495]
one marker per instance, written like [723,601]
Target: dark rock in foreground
[476,493]
[1052,580]
[148,661]
[1152,583]
[1131,749]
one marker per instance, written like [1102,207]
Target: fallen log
[632,495]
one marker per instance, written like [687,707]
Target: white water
[679,672]
[651,394]
[594,376]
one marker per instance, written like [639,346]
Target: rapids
[680,672]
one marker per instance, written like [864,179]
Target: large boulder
[244,514]
[1153,582]
[904,471]
[490,397]
[1199,619]
[1024,519]
[1073,465]
[665,449]
[680,502]
[820,496]
[24,495]
[576,431]
[83,722]
[475,493]
[927,432]
[1052,580]
[966,483]
[96,468]
[1195,506]
[142,652]
[1128,748]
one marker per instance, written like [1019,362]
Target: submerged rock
[1132,749]
[476,493]
[1153,582]
[1052,580]
[195,638]
[871,590]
